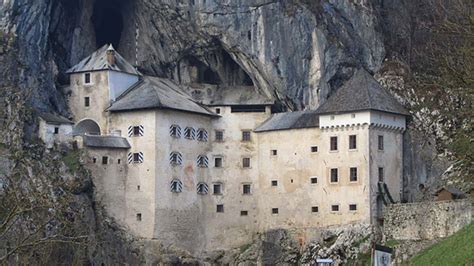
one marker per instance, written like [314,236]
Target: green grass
[391,243]
[457,249]
[72,160]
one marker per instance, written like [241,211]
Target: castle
[207,167]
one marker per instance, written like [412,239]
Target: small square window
[94,160]
[139,217]
[353,115]
[381,175]
[217,189]
[218,110]
[138,188]
[119,161]
[380,143]
[334,175]
[314,148]
[333,144]
[87,101]
[352,142]
[244,213]
[334,208]
[246,135]
[56,130]
[175,131]
[105,159]
[274,210]
[136,130]
[314,180]
[218,162]
[87,78]
[246,189]
[246,162]
[219,135]
[220,208]
[274,183]
[136,157]
[332,117]
[274,152]
[353,174]
[315,209]
[352,207]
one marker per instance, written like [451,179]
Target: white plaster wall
[46,133]
[120,82]
[392,120]
[364,117]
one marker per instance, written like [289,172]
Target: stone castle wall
[426,220]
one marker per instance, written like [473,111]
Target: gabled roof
[54,118]
[111,142]
[290,120]
[361,92]
[213,95]
[153,92]
[98,61]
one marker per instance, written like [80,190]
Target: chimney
[111,55]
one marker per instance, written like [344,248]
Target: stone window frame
[273,152]
[87,75]
[331,138]
[249,188]
[56,130]
[381,174]
[355,142]
[246,165]
[312,178]
[87,101]
[216,133]
[380,143]
[356,174]
[244,213]
[105,160]
[274,183]
[338,208]
[246,135]
[314,149]
[330,175]
[315,209]
[216,157]
[275,211]
[220,208]
[352,204]
[220,185]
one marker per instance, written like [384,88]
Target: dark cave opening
[108,22]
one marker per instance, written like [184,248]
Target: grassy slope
[457,249]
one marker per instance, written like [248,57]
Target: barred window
[176,158]
[246,135]
[175,131]
[219,135]
[189,133]
[246,162]
[202,134]
[176,185]
[202,161]
[202,188]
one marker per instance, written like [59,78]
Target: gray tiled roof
[290,120]
[213,95]
[54,118]
[111,142]
[153,92]
[98,61]
[361,92]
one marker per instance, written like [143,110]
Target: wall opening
[88,127]
[108,22]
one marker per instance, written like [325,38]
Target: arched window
[175,131]
[176,185]
[86,127]
[189,133]
[176,158]
[202,161]
[202,188]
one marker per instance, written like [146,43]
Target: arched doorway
[86,127]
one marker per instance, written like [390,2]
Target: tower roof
[98,61]
[361,92]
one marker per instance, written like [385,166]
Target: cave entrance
[108,22]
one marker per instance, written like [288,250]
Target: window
[218,110]
[333,144]
[202,161]
[138,187]
[335,208]
[56,130]
[244,213]
[381,177]
[219,135]
[352,207]
[176,158]
[246,189]
[332,117]
[314,180]
[105,159]
[189,133]
[314,148]
[314,209]
[352,142]
[246,162]
[87,101]
[217,189]
[218,162]
[139,217]
[380,143]
[274,183]
[202,135]
[353,174]
[136,157]
[118,161]
[202,188]
[87,78]
[176,185]
[274,210]
[94,160]
[273,152]
[175,131]
[220,208]
[353,115]
[245,135]
[334,175]
[135,131]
